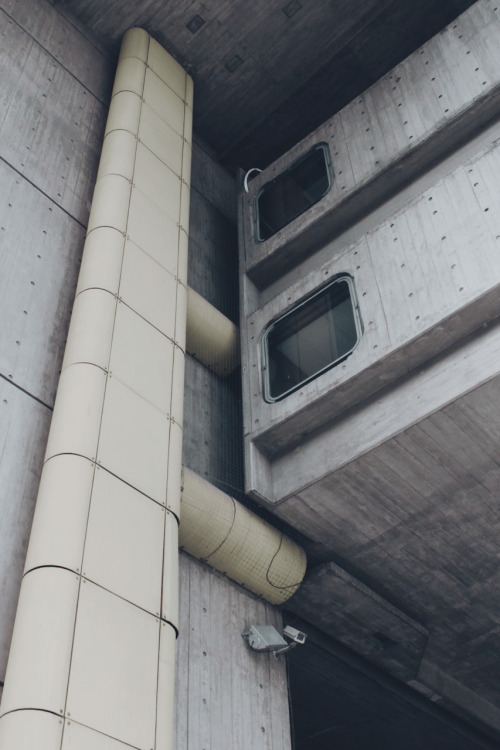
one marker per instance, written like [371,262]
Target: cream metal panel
[152,229]
[174,469]
[251,552]
[211,337]
[177,394]
[188,125]
[170,583]
[167,68]
[40,654]
[181,316]
[130,76]
[142,358]
[124,112]
[158,182]
[189,102]
[118,154]
[182,267]
[25,730]
[187,156]
[110,203]
[166,688]
[164,102]
[135,44]
[124,545]
[113,681]
[91,329]
[162,140]
[78,737]
[184,212]
[63,504]
[102,261]
[134,440]
[77,412]
[149,289]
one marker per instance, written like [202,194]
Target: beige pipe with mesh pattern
[222,532]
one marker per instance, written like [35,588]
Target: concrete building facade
[344,456]
[383,468]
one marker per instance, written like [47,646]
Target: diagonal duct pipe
[220,531]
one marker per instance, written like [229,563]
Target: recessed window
[316,335]
[293,191]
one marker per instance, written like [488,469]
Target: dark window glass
[293,192]
[318,334]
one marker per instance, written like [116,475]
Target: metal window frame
[323,146]
[306,300]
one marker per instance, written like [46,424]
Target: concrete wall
[54,86]
[424,277]
[432,101]
[347,459]
[424,263]
[227,694]
[212,410]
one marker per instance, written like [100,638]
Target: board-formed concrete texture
[212,405]
[244,705]
[361,620]
[419,289]
[269,73]
[388,478]
[427,105]
[55,84]
[387,462]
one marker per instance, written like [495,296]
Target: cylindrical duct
[219,530]
[212,338]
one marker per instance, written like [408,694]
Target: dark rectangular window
[293,191]
[313,337]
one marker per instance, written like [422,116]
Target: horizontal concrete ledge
[286,434]
[470,365]
[269,260]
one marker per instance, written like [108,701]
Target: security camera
[264,638]
[297,636]
[267,638]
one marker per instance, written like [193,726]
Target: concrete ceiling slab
[268,72]
[340,605]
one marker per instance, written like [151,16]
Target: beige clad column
[92,657]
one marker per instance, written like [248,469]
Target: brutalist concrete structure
[381,458]
[376,454]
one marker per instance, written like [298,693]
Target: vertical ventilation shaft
[92,655]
